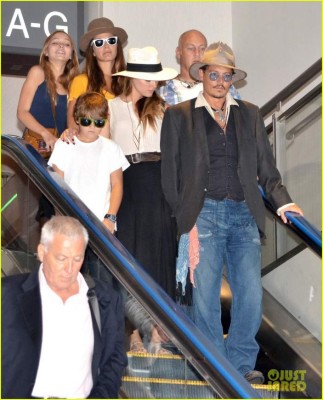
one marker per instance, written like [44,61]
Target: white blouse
[128,133]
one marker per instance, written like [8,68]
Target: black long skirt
[145,226]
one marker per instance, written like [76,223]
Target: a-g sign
[18,23]
[25,25]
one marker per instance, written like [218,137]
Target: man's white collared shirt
[65,363]
[201,102]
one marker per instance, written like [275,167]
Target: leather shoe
[254,377]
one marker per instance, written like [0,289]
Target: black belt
[143,157]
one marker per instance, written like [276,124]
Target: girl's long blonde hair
[70,71]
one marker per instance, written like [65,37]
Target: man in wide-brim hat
[219,54]
[215,152]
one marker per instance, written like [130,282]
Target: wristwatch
[111,217]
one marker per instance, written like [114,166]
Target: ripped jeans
[229,236]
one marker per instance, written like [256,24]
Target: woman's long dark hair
[148,108]
[96,81]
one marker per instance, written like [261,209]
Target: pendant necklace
[221,113]
[135,138]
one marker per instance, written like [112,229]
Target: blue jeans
[229,236]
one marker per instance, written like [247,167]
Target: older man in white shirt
[53,342]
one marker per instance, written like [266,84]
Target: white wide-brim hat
[218,54]
[145,64]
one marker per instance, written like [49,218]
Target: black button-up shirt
[223,151]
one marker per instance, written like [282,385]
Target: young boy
[93,166]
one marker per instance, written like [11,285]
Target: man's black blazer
[185,162]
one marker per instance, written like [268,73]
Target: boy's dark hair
[91,104]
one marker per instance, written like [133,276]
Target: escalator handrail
[292,88]
[303,229]
[202,354]
[305,226]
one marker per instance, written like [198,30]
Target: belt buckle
[132,156]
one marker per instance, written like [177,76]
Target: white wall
[10,90]
[273,42]
[159,24]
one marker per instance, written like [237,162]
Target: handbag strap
[53,107]
[93,300]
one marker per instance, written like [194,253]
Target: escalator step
[164,381]
[171,376]
[132,354]
[166,388]
[161,367]
[176,388]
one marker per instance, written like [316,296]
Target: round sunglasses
[215,76]
[98,123]
[112,40]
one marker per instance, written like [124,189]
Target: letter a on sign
[17,15]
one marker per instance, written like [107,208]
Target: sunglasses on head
[98,123]
[112,40]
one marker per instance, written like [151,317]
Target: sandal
[157,348]
[164,352]
[137,347]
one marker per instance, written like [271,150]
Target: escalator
[195,369]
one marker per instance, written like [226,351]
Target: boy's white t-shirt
[87,168]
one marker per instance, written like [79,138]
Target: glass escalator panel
[179,370]
[292,266]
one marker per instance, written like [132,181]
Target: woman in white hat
[102,47]
[145,226]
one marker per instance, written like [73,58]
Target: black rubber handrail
[317,91]
[299,225]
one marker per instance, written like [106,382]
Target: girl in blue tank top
[43,98]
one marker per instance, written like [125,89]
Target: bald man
[190,49]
